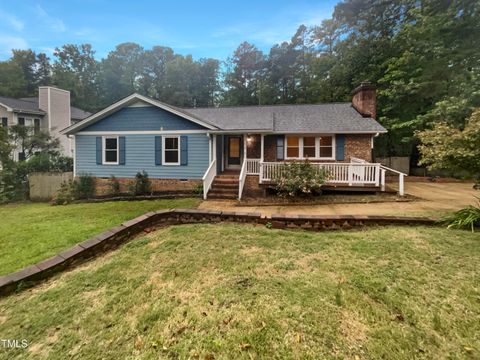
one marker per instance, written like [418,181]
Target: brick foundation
[252,187]
[103,186]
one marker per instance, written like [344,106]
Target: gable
[142,118]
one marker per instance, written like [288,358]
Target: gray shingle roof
[31,104]
[21,104]
[326,118]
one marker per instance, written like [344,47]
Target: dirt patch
[353,330]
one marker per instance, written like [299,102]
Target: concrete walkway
[436,199]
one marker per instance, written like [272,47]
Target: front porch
[234,157]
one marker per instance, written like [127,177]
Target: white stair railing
[401,179]
[241,179]
[209,177]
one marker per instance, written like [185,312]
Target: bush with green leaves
[84,187]
[114,185]
[66,194]
[299,178]
[466,218]
[141,185]
[198,188]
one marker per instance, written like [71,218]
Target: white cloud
[278,29]
[7,43]
[12,21]
[52,22]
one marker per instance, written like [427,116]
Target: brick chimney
[364,99]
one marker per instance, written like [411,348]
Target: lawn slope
[232,291]
[31,232]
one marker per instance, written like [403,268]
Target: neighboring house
[49,112]
[230,150]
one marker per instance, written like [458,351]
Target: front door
[233,151]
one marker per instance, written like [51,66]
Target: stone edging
[114,237]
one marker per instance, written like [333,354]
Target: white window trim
[163,150]
[104,162]
[317,147]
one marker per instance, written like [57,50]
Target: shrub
[198,189]
[299,178]
[66,193]
[466,218]
[114,186]
[84,187]
[141,184]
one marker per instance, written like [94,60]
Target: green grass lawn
[232,291]
[31,232]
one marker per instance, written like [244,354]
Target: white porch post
[214,147]
[401,189]
[377,175]
[209,148]
[350,174]
[262,149]
[382,181]
[245,147]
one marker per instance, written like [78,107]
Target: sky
[201,28]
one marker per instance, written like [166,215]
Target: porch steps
[224,186]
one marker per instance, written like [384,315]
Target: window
[312,147]
[326,147]
[309,147]
[21,121]
[293,147]
[4,122]
[171,150]
[110,150]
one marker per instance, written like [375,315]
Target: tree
[244,76]
[121,72]
[12,80]
[447,147]
[76,70]
[40,153]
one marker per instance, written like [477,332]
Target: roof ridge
[265,105]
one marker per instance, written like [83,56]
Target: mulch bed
[328,199]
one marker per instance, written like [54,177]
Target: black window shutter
[158,150]
[99,150]
[280,147]
[121,149]
[183,150]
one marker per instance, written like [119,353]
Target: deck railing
[338,173]
[253,166]
[209,177]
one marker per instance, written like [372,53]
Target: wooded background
[423,55]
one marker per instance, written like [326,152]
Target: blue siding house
[220,147]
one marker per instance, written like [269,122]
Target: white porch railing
[339,173]
[253,166]
[209,177]
[241,179]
